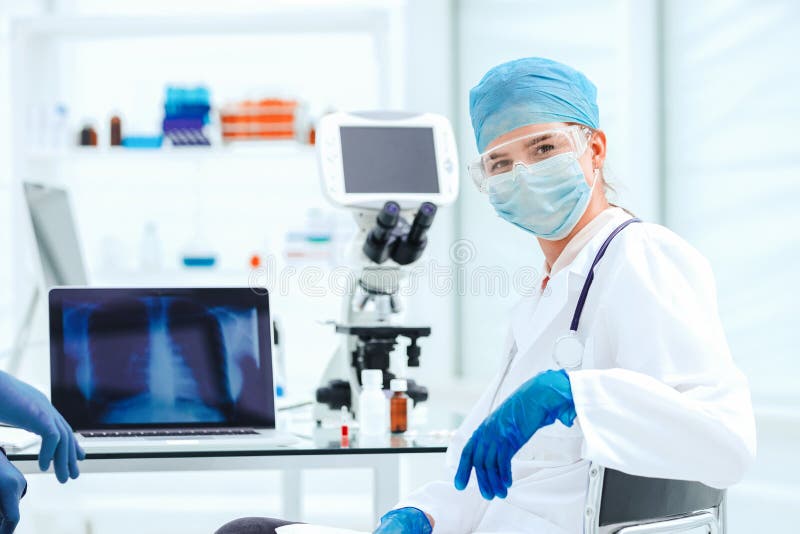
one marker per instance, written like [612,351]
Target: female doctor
[620,359]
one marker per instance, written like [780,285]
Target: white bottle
[373,406]
[59,127]
[150,256]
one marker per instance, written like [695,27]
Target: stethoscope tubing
[576,316]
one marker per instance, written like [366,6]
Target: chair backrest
[633,499]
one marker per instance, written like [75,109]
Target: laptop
[156,369]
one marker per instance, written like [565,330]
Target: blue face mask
[547,199]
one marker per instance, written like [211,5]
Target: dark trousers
[253,525]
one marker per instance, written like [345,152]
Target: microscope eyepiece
[389,214]
[428,209]
[387,219]
[422,222]
[376,245]
[410,248]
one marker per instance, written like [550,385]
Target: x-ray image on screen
[163,360]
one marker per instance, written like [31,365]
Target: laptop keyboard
[168,432]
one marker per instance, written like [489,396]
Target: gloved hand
[12,489]
[537,403]
[25,407]
[404,521]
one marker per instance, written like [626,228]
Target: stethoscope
[568,349]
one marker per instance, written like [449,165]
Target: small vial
[116,131]
[344,439]
[399,406]
[88,136]
[344,418]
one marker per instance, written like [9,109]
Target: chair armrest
[634,499]
[702,519]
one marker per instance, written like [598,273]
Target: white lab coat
[658,394]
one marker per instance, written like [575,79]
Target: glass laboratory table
[315,447]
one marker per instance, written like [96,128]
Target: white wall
[8,9]
[5,176]
[732,182]
[733,170]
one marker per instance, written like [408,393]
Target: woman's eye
[499,165]
[543,149]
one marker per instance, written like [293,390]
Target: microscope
[392,170]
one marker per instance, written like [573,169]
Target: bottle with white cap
[373,406]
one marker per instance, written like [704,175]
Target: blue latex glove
[404,521]
[537,403]
[25,407]
[12,489]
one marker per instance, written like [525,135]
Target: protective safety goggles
[529,150]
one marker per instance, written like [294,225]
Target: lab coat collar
[579,268]
[536,314]
[580,240]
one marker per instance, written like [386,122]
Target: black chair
[620,503]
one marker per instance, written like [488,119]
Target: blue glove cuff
[563,387]
[25,489]
[413,520]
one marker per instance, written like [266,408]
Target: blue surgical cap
[527,91]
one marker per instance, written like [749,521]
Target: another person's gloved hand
[12,489]
[404,521]
[23,406]
[537,403]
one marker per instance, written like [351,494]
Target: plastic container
[373,406]
[198,260]
[264,119]
[142,141]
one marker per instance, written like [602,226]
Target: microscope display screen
[389,160]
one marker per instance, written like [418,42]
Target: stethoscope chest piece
[568,351]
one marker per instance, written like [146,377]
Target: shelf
[265,149]
[174,277]
[280,17]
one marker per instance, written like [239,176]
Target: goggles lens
[529,150]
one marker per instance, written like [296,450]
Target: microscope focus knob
[413,352]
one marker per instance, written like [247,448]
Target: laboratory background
[184,134]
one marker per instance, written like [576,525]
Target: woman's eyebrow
[538,139]
[528,143]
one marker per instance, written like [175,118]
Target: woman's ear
[598,145]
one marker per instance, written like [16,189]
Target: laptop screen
[154,358]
